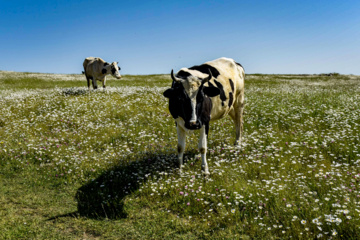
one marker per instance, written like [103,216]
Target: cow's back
[228,76]
[93,61]
[93,66]
[87,61]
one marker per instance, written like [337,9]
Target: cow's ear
[211,91]
[103,71]
[168,93]
[106,63]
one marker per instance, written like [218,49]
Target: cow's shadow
[104,196]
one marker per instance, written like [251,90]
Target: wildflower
[334,232]
[233,210]
[315,221]
[338,221]
[303,221]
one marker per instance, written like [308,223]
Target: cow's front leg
[104,82]
[203,149]
[181,145]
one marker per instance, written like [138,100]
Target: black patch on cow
[239,65]
[204,68]
[103,71]
[207,126]
[119,68]
[211,91]
[222,93]
[168,93]
[113,70]
[231,84]
[231,98]
[211,85]
[105,64]
[183,74]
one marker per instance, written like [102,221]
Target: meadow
[102,165]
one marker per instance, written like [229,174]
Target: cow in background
[204,93]
[96,69]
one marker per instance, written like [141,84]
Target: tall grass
[103,164]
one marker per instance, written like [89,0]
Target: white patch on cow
[191,87]
[193,113]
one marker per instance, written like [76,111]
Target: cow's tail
[241,70]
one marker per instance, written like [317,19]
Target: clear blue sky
[148,37]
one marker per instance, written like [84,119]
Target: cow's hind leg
[237,116]
[181,145]
[88,82]
[203,149]
[94,83]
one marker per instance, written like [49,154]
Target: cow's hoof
[205,170]
[181,169]
[206,173]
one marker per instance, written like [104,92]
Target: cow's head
[189,98]
[112,69]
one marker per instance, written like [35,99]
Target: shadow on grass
[74,91]
[104,196]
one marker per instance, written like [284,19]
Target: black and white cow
[96,68]
[204,93]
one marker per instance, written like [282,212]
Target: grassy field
[103,165]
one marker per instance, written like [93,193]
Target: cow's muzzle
[193,125]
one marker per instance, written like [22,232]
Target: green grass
[102,165]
